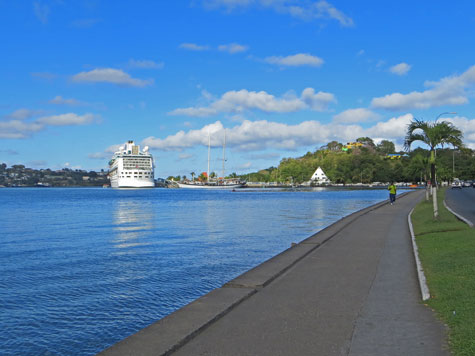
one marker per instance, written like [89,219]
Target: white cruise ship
[131,168]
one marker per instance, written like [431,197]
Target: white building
[319,177]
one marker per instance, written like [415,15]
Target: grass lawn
[447,252]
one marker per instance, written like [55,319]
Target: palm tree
[433,134]
[192,176]
[419,167]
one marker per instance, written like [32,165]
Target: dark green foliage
[370,164]
[433,134]
[385,147]
[366,141]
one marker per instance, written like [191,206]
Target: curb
[458,216]
[420,271]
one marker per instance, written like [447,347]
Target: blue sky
[281,77]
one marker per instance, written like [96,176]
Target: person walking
[392,193]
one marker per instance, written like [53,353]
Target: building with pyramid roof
[319,177]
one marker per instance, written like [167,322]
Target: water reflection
[133,223]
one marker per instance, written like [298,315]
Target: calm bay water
[81,269]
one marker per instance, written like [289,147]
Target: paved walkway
[352,290]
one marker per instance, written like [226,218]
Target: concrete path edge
[171,332]
[420,271]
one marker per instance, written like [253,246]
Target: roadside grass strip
[447,252]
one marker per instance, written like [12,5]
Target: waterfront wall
[175,330]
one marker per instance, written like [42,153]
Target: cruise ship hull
[132,183]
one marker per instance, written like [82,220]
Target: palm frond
[433,134]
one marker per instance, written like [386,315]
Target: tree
[366,141]
[433,135]
[333,146]
[385,147]
[18,167]
[418,167]
[192,176]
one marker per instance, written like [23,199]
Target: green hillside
[365,162]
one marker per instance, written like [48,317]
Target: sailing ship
[216,183]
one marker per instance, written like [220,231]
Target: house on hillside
[319,177]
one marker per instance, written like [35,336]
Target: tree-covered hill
[365,162]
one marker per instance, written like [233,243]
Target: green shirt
[392,189]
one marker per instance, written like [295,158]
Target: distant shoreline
[251,188]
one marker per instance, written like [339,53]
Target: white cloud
[244,166]
[110,75]
[296,60]
[67,119]
[447,91]
[298,9]
[193,47]
[355,116]
[263,135]
[106,154]
[467,126]
[325,9]
[22,114]
[242,100]
[400,69]
[184,156]
[19,127]
[392,129]
[265,156]
[317,101]
[145,64]
[233,48]
[248,136]
[16,129]
[59,100]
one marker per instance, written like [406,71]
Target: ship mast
[224,151]
[209,152]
